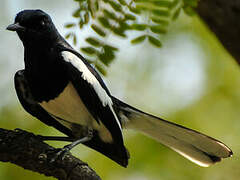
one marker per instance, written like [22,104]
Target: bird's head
[34,26]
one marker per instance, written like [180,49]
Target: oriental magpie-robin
[61,89]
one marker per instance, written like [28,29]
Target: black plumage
[46,75]
[61,89]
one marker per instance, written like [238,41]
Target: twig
[28,151]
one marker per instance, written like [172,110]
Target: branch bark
[28,151]
[223,18]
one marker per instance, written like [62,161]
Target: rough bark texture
[223,18]
[28,151]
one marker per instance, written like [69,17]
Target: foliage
[151,18]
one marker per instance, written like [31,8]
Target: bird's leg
[78,141]
[61,152]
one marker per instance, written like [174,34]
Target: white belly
[69,106]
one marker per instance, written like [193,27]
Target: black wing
[32,107]
[94,103]
[98,106]
[27,101]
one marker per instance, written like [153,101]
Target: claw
[57,154]
[61,153]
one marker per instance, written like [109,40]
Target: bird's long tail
[195,146]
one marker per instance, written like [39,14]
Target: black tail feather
[116,152]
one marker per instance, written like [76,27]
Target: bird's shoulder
[64,48]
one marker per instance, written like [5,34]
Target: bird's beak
[16,27]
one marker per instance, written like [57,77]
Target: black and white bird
[61,89]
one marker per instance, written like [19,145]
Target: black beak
[16,27]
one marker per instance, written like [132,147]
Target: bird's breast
[69,107]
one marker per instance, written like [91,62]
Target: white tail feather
[197,147]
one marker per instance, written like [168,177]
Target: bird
[60,88]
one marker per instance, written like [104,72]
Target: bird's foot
[60,153]
[57,154]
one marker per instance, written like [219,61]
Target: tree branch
[28,151]
[223,18]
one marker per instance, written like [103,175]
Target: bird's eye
[42,23]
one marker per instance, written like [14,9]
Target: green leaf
[101,69]
[139,27]
[154,41]
[159,12]
[138,39]
[112,48]
[158,29]
[161,21]
[68,35]
[69,25]
[174,4]
[81,23]
[122,2]
[123,25]
[74,39]
[96,5]
[118,31]
[109,14]
[94,41]
[129,16]
[135,10]
[176,14]
[76,13]
[86,18]
[89,7]
[104,21]
[98,30]
[115,6]
[89,50]
[106,57]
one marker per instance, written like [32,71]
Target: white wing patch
[91,79]
[88,76]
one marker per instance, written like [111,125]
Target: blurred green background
[192,81]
